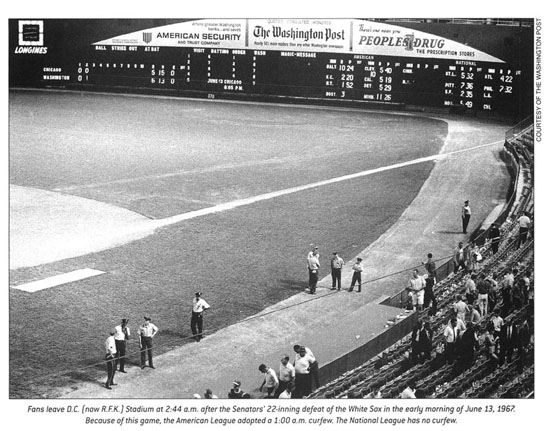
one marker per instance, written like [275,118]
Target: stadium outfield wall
[478,68]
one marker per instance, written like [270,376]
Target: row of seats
[437,379]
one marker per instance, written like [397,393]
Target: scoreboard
[355,77]
[325,60]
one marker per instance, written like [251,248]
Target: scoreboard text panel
[474,85]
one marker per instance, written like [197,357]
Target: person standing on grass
[197,316]
[122,334]
[313,256]
[465,216]
[111,353]
[356,277]
[146,333]
[313,268]
[336,271]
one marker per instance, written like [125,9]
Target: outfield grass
[183,155]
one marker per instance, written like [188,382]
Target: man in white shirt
[122,334]
[465,216]
[524,224]
[471,292]
[336,271]
[270,380]
[460,308]
[286,376]
[146,332]
[314,365]
[417,286]
[497,323]
[357,275]
[508,280]
[313,253]
[111,352]
[452,332]
[313,270]
[197,316]
[302,364]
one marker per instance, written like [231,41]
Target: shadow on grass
[293,284]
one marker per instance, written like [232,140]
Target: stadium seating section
[436,378]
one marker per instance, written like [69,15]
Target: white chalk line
[272,195]
[58,280]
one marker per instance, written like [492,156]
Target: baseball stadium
[153,162]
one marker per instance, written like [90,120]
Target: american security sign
[316,35]
[200,34]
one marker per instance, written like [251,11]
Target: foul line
[248,201]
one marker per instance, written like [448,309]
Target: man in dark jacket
[508,340]
[467,344]
[494,235]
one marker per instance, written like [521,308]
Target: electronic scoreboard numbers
[317,75]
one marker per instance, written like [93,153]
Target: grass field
[161,157]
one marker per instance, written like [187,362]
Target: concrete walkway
[431,223]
